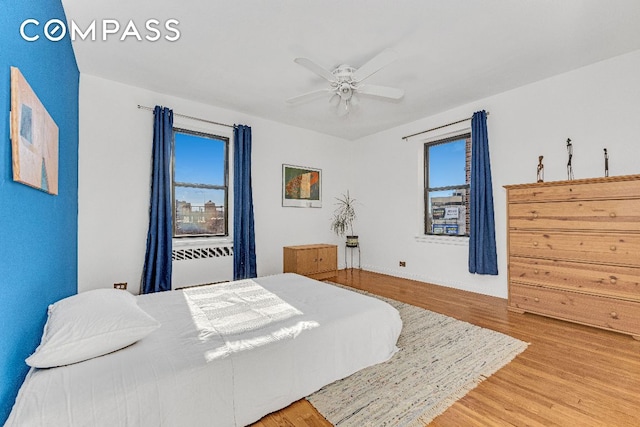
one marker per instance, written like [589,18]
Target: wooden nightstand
[316,261]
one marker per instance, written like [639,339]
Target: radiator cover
[200,265]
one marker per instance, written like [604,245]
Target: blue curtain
[482,234]
[244,242]
[157,262]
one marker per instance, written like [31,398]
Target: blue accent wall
[38,231]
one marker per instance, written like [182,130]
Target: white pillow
[89,325]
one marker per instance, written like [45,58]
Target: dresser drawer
[604,215]
[576,190]
[610,248]
[617,315]
[619,282]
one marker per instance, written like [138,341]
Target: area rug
[440,360]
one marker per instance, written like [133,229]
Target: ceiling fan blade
[307,96]
[312,66]
[379,61]
[381,91]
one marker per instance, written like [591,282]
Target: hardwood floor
[570,375]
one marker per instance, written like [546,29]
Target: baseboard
[426,279]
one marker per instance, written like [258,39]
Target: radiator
[200,265]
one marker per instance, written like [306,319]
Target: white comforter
[225,355]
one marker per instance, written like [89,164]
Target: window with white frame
[200,184]
[447,186]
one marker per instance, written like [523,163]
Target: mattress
[225,355]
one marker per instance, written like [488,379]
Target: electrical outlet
[122,286]
[403,264]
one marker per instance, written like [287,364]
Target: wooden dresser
[574,251]
[316,261]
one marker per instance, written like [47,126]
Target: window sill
[443,240]
[187,242]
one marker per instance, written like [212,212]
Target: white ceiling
[239,54]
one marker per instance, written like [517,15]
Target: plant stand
[351,250]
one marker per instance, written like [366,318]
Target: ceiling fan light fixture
[345,91]
[345,82]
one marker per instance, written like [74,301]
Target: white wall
[115,171]
[596,106]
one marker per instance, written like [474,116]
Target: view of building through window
[200,184]
[447,178]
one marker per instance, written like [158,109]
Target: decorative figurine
[569,167]
[606,163]
[540,169]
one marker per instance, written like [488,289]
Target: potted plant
[343,218]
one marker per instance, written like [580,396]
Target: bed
[223,355]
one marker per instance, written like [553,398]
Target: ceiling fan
[345,82]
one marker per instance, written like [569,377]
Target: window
[200,184]
[446,193]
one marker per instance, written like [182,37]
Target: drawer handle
[535,243]
[612,247]
[614,315]
[612,214]
[613,281]
[536,299]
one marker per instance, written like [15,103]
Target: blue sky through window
[447,163]
[199,160]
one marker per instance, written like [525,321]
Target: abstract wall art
[301,187]
[34,138]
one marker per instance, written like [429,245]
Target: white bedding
[225,355]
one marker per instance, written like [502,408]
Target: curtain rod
[438,127]
[190,117]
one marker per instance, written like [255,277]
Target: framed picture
[301,187]
[34,138]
